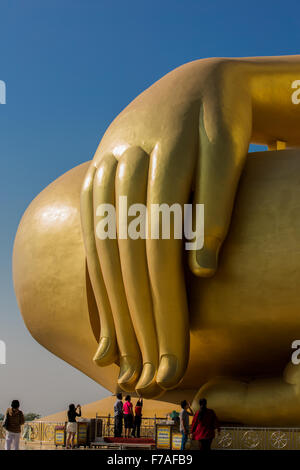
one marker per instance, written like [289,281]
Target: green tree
[31,416]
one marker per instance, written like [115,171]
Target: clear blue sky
[70,66]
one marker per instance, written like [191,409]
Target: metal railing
[147,426]
[231,437]
[39,431]
[43,431]
[257,438]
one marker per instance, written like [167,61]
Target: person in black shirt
[72,425]
[137,418]
[118,416]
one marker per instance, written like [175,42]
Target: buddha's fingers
[108,254]
[224,133]
[107,351]
[131,195]
[170,179]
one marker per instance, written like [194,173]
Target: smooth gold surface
[242,321]
[186,137]
[51,285]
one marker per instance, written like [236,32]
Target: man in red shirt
[204,424]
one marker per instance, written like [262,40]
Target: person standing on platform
[204,424]
[137,419]
[128,415]
[13,421]
[118,414]
[73,412]
[184,417]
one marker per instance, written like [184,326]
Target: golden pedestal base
[246,438]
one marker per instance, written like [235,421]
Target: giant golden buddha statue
[144,314]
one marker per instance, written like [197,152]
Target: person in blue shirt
[184,416]
[118,414]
